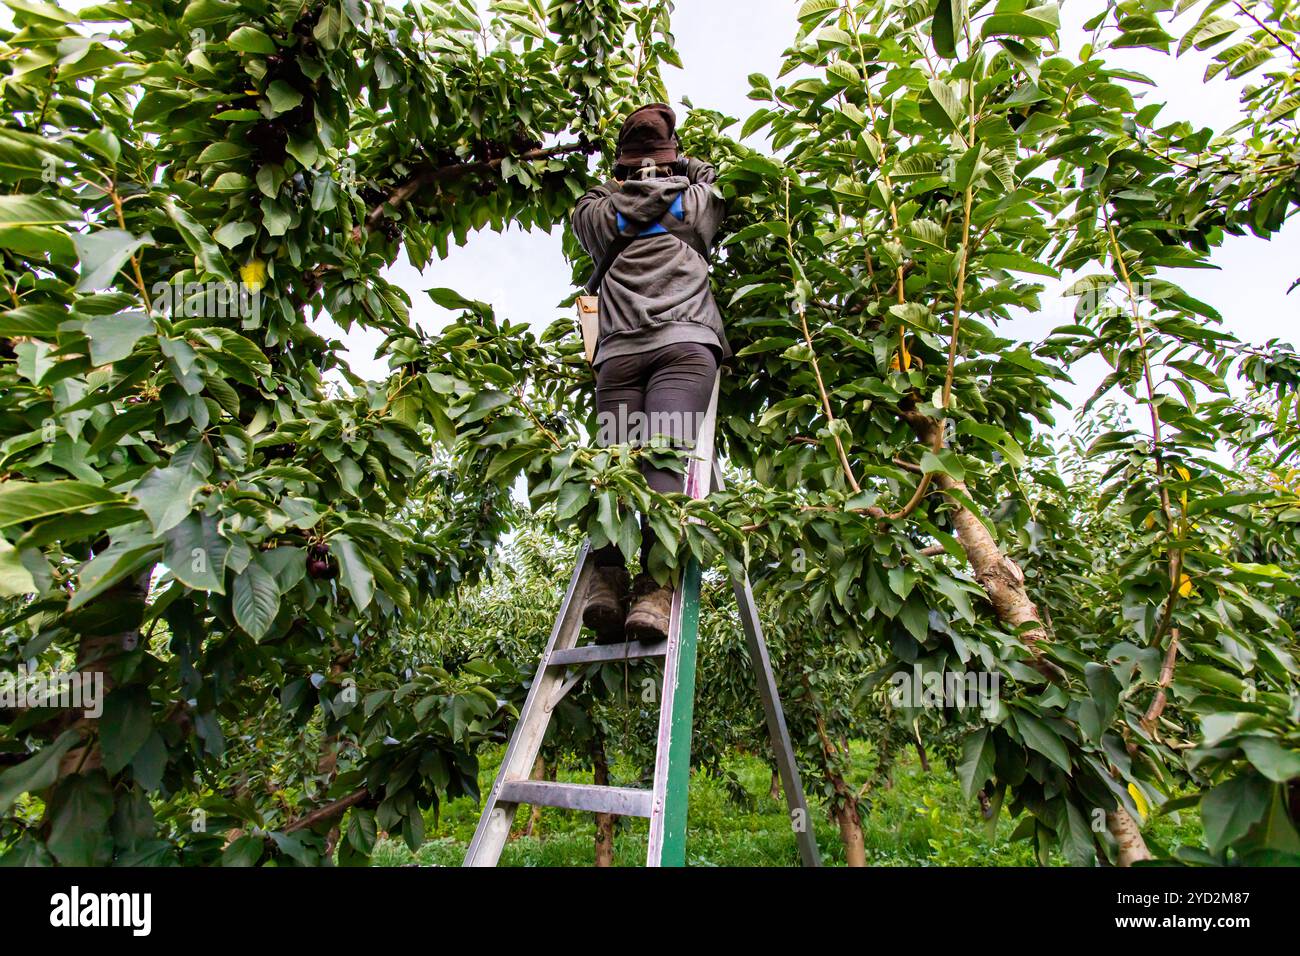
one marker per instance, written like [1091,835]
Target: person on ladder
[660,339]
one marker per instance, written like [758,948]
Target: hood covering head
[649,132]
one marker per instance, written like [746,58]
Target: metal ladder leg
[782,748]
[499,814]
[667,844]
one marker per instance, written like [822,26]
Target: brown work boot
[606,607]
[651,608]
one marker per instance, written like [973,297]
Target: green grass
[922,821]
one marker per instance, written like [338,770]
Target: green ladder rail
[562,667]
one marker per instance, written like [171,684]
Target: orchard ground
[922,820]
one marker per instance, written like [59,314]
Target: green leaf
[251,40]
[329,27]
[958,593]
[79,812]
[165,494]
[283,97]
[1272,759]
[996,437]
[103,142]
[42,10]
[945,462]
[769,344]
[32,321]
[941,29]
[150,762]
[124,727]
[22,501]
[205,250]
[846,72]
[245,851]
[362,830]
[232,182]
[1232,808]
[233,233]
[1015,262]
[1098,710]
[35,211]
[571,499]
[812,12]
[196,554]
[287,564]
[305,151]
[112,566]
[946,97]
[113,337]
[353,571]
[1040,21]
[223,152]
[1077,843]
[38,772]
[102,255]
[255,598]
[15,578]
[37,242]
[915,616]
[976,765]
[1039,735]
[451,299]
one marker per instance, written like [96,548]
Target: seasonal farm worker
[660,337]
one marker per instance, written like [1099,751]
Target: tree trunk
[1125,830]
[999,576]
[331,843]
[920,752]
[774,791]
[850,824]
[604,821]
[844,803]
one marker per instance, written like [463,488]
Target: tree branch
[428,175]
[329,811]
[1175,559]
[1269,30]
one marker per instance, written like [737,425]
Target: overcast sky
[524,275]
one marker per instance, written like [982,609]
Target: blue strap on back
[622,241]
[655,228]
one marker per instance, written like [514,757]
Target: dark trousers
[665,392]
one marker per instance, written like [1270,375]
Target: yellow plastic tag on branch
[253,275]
[1140,800]
[902,359]
[1185,586]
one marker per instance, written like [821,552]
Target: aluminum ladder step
[621,801]
[606,653]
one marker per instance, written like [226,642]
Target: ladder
[562,668]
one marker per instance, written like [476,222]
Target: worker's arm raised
[595,220]
[701,202]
